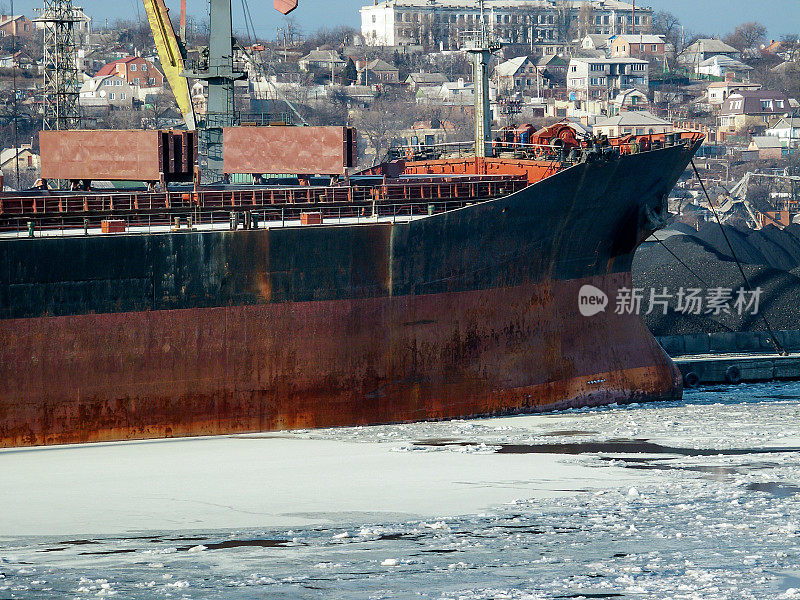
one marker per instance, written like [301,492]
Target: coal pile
[770,259]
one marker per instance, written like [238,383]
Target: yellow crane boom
[169,51]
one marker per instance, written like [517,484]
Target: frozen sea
[698,499]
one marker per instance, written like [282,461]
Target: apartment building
[540,24]
[604,78]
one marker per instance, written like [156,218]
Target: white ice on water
[462,509]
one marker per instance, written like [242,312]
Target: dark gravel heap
[771,261]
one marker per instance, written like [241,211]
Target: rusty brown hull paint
[237,369]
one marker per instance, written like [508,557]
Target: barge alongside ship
[432,290]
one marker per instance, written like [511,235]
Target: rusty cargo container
[303,150]
[119,155]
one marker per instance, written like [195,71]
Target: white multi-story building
[539,23]
[604,78]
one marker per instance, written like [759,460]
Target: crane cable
[260,64]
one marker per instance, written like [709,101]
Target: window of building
[374,19]
[640,131]
[123,96]
[766,104]
[133,67]
[111,96]
[779,103]
[573,69]
[136,81]
[594,81]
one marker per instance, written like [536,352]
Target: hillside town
[403,80]
[447,299]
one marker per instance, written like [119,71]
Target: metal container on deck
[127,155]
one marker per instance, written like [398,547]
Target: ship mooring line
[687,267]
[700,279]
[778,346]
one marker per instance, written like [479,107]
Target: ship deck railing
[409,189]
[75,213]
[221,220]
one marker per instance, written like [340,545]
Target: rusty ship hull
[466,313]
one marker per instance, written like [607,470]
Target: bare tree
[381,123]
[158,108]
[564,23]
[133,34]
[747,36]
[120,119]
[667,24]
[585,19]
[332,38]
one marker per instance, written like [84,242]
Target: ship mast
[481,48]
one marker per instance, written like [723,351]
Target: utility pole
[14,64]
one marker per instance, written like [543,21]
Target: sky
[708,16]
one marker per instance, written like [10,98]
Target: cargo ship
[433,286]
[417,290]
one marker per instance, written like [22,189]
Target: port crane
[217,68]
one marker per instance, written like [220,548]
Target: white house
[321,59]
[721,65]
[703,49]
[787,130]
[632,122]
[517,75]
[23,157]
[107,91]
[631,99]
[595,42]
[719,91]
